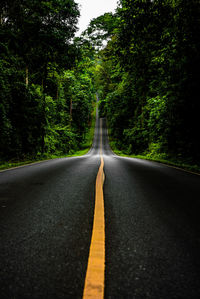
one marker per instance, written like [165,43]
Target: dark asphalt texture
[152,227]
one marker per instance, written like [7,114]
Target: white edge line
[21,166]
[161,163]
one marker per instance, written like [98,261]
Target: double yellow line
[95,275]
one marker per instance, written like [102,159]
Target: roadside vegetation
[148,79]
[171,161]
[46,82]
[83,149]
[146,75]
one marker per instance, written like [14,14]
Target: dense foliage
[46,89]
[148,78]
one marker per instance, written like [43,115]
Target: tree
[45,29]
[149,77]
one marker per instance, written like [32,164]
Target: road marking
[182,169]
[95,275]
[24,165]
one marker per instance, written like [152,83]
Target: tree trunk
[44,80]
[26,76]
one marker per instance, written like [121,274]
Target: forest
[143,61]
[46,87]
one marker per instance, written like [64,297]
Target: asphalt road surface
[152,227]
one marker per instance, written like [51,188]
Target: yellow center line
[95,275]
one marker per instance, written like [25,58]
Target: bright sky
[92,9]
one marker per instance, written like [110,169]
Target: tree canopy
[149,78]
[45,81]
[143,60]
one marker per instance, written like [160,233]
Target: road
[152,227]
